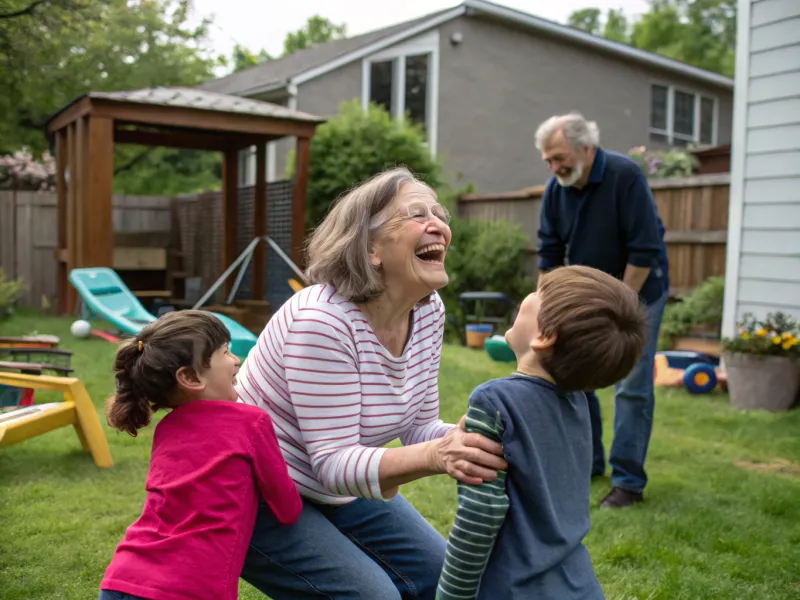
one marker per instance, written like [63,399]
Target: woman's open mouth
[432,253]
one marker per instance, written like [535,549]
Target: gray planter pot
[761,382]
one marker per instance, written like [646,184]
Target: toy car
[698,372]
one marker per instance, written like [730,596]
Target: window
[403,79]
[680,117]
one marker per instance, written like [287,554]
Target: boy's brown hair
[599,325]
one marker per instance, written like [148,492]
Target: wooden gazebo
[84,133]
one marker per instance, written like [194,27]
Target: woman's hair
[338,250]
[145,367]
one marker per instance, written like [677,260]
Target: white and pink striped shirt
[336,395]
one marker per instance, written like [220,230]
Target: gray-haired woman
[344,367]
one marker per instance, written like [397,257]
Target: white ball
[81,329]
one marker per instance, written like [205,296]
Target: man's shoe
[619,498]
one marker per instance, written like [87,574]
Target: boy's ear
[188,380]
[543,342]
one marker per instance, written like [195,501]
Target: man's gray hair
[578,132]
[339,249]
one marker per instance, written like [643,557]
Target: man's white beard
[569,180]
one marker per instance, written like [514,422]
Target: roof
[279,72]
[181,97]
[308,64]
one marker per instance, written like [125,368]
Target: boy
[521,536]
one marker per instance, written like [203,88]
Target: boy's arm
[480,514]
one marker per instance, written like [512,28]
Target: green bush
[703,307]
[485,256]
[662,164]
[357,144]
[10,290]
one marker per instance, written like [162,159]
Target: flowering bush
[777,335]
[659,164]
[20,171]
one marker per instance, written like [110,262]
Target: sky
[258,24]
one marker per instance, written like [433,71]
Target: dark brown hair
[145,367]
[599,324]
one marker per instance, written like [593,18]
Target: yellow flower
[745,336]
[788,344]
[786,335]
[761,332]
[776,340]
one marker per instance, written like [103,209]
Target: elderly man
[598,211]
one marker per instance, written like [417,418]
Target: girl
[211,460]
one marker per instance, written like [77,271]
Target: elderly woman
[344,367]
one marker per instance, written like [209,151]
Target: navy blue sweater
[609,223]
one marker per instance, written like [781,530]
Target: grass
[721,518]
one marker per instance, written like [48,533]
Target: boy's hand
[468,457]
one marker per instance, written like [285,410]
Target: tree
[698,32]
[242,58]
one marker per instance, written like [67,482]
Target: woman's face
[411,245]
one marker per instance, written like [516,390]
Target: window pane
[658,107]
[417,88]
[706,121]
[684,114]
[661,138]
[380,84]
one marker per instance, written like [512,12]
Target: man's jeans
[634,402]
[366,550]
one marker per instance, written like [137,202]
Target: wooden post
[299,200]
[230,201]
[61,199]
[97,241]
[71,253]
[260,222]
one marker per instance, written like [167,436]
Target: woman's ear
[188,380]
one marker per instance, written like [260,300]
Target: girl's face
[218,380]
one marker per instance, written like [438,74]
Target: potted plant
[763,363]
[10,291]
[693,323]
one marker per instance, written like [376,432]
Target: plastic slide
[106,295]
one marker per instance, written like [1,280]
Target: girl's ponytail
[129,408]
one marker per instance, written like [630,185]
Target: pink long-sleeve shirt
[336,395]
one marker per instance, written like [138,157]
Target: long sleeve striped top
[336,395]
[481,512]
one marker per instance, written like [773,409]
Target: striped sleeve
[480,514]
[427,425]
[325,388]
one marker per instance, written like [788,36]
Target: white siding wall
[763,263]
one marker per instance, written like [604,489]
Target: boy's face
[525,330]
[220,377]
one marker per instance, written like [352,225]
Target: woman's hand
[468,457]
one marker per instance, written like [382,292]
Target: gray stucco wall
[500,82]
[764,237]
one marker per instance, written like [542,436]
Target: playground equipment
[76,409]
[103,293]
[480,314]
[698,372]
[32,355]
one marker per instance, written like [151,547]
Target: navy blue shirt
[609,223]
[547,442]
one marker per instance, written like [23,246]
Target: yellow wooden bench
[76,409]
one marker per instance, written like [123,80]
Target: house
[762,272]
[480,77]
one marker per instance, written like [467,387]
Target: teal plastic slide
[104,294]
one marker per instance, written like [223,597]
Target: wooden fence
[694,211]
[29,236]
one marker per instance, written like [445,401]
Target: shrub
[485,256]
[357,144]
[777,335]
[10,290]
[703,307]
[20,171]
[660,164]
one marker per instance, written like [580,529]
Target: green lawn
[721,521]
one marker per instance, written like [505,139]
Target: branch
[133,162]
[28,10]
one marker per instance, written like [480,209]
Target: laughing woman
[344,367]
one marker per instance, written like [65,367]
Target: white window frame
[427,43]
[669,132]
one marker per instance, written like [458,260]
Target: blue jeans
[111,595]
[634,402]
[366,550]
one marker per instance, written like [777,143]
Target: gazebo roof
[176,110]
